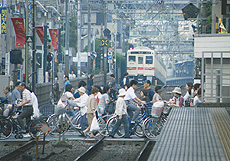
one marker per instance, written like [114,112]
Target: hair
[23,84]
[17,84]
[148,81]
[157,88]
[112,75]
[91,76]
[133,82]
[126,73]
[81,84]
[94,90]
[145,92]
[7,88]
[99,88]
[196,86]
[105,89]
[190,85]
[67,77]
[199,92]
[127,84]
[68,88]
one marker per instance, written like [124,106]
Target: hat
[177,90]
[147,81]
[81,89]
[122,92]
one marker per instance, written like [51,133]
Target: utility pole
[105,48]
[204,20]
[66,38]
[101,50]
[45,49]
[89,39]
[34,70]
[79,38]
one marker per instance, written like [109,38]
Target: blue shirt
[66,83]
[150,94]
[15,95]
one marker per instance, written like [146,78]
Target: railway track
[115,150]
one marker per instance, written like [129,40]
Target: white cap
[82,89]
[122,92]
[177,90]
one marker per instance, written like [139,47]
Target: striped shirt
[26,95]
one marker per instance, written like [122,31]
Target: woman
[177,100]
[91,110]
[156,96]
[189,93]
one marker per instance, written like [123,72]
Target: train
[144,64]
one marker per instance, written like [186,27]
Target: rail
[145,152]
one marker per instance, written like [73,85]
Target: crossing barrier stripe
[222,121]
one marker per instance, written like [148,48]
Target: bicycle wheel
[152,127]
[76,123]
[102,121]
[6,128]
[111,122]
[139,131]
[57,125]
[34,127]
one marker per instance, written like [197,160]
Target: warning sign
[45,128]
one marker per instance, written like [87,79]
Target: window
[140,60]
[149,59]
[132,58]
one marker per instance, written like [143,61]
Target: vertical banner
[3,18]
[19,29]
[40,32]
[54,38]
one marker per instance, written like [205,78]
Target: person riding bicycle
[121,112]
[26,103]
[129,97]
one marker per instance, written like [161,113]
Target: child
[177,100]
[156,96]
[121,112]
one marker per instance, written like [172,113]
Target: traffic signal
[107,33]
[190,11]
[16,56]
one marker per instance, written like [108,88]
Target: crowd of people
[96,101]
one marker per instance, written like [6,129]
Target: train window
[132,58]
[140,52]
[149,60]
[140,60]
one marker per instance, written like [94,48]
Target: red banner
[40,32]
[19,31]
[54,37]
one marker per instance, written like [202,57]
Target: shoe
[132,122]
[92,136]
[26,135]
[84,133]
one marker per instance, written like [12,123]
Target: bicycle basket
[157,109]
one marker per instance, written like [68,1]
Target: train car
[143,64]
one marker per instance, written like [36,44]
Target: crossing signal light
[190,11]
[194,28]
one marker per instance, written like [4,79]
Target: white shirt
[26,95]
[130,94]
[82,103]
[69,95]
[124,80]
[72,76]
[120,107]
[196,100]
[187,95]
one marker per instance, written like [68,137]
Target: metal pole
[213,19]
[105,49]
[204,21]
[27,45]
[66,38]
[78,37]
[217,85]
[89,39]
[34,72]
[101,50]
[45,51]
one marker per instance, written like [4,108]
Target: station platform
[194,134]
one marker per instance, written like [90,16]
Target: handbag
[94,125]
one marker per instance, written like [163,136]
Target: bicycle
[60,123]
[133,128]
[152,127]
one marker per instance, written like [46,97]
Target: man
[125,80]
[8,94]
[66,82]
[16,93]
[130,95]
[113,85]
[27,105]
[147,86]
[72,75]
